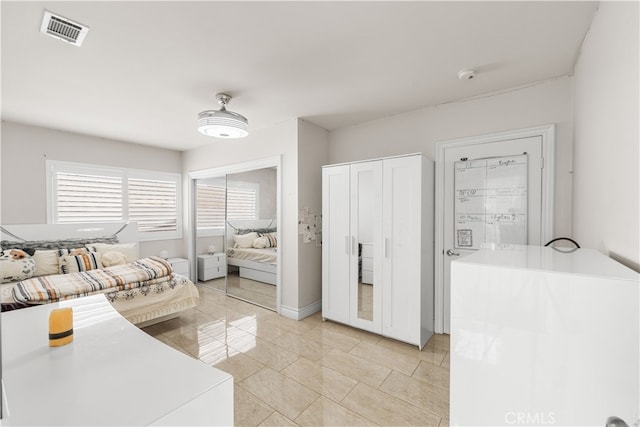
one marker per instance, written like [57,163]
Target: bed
[143,290]
[252,249]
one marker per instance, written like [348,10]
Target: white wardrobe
[377,248]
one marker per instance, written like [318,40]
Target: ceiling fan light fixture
[222,123]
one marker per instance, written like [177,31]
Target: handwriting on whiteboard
[490,201]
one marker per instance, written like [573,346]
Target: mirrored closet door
[236,236]
[210,202]
[252,236]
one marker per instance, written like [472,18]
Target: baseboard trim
[300,313]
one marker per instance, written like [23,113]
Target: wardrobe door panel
[401,246]
[366,247]
[336,245]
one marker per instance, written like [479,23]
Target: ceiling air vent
[63,29]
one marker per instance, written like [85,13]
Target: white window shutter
[152,204]
[88,198]
[210,206]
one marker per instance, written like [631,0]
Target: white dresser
[111,374]
[543,337]
[212,266]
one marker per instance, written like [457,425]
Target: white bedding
[265,256]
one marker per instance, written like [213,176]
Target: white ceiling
[147,68]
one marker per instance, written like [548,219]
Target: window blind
[152,204]
[210,206]
[242,203]
[91,193]
[88,198]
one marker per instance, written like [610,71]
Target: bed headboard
[126,232]
[254,224]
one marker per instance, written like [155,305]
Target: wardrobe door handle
[346,245]
[353,245]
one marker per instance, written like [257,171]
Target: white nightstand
[212,266]
[179,265]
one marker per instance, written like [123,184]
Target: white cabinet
[212,266]
[543,337]
[377,255]
[112,373]
[179,265]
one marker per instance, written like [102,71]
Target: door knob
[451,252]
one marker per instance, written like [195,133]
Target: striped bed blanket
[46,289]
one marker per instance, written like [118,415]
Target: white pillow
[46,262]
[245,240]
[260,243]
[129,250]
[111,258]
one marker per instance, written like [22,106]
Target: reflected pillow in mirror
[245,240]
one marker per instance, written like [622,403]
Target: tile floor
[260,293]
[312,372]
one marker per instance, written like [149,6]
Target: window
[241,202]
[87,193]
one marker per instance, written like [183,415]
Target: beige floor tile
[280,392]
[264,352]
[334,339]
[385,357]
[315,319]
[352,332]
[432,374]
[429,354]
[213,352]
[417,393]
[289,325]
[258,327]
[302,346]
[239,365]
[248,409]
[324,412]
[385,409]
[269,354]
[439,341]
[277,420]
[320,379]
[355,367]
[446,362]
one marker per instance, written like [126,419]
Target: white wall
[23,154]
[418,131]
[260,144]
[606,135]
[313,152]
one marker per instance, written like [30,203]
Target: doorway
[537,146]
[235,221]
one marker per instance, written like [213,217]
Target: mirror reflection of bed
[237,237]
[252,236]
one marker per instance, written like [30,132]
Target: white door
[533,147]
[401,248]
[336,245]
[366,245]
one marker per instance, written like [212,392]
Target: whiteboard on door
[490,201]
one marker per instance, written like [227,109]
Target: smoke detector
[63,29]
[466,74]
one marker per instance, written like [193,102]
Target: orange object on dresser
[60,327]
